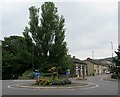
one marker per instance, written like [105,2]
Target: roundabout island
[73,85]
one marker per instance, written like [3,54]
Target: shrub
[46,74]
[67,81]
[56,81]
[54,71]
[114,76]
[61,81]
[27,75]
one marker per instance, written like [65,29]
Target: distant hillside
[107,59]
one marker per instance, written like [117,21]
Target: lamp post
[32,52]
[112,48]
[93,54]
[110,66]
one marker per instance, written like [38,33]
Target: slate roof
[98,62]
[78,61]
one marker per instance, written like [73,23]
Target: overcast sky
[89,25]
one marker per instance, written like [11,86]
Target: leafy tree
[15,57]
[116,68]
[0,56]
[47,37]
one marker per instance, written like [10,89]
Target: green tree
[116,68]
[48,36]
[15,57]
[54,47]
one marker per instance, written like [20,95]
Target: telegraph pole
[112,48]
[112,56]
[93,54]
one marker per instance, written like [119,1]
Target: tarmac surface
[94,85]
[74,85]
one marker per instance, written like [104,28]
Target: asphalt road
[103,88]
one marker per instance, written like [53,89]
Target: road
[103,88]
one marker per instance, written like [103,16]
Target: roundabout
[91,86]
[74,85]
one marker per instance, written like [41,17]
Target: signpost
[67,73]
[37,74]
[78,71]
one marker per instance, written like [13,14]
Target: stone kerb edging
[80,85]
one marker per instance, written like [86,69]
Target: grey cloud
[15,18]
[88,25]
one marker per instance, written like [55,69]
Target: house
[97,66]
[101,66]
[106,66]
[90,66]
[79,67]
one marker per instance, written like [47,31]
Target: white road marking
[91,87]
[24,80]
[85,85]
[53,88]
[10,86]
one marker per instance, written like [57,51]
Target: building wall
[90,68]
[82,68]
[100,69]
[73,69]
[96,69]
[76,70]
[105,69]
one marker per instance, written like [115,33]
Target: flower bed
[55,81]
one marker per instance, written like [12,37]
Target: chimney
[73,57]
[89,59]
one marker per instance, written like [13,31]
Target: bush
[27,75]
[46,74]
[67,81]
[57,81]
[115,76]
[61,81]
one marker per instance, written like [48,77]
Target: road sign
[37,73]
[67,72]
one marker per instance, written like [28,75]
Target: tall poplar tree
[48,34]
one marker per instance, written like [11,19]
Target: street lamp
[32,52]
[93,54]
[110,66]
[112,48]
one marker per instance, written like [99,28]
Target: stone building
[97,66]
[79,67]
